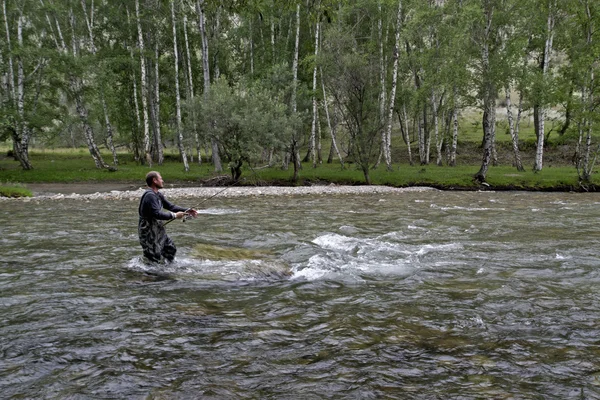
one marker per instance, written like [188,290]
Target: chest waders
[157,246]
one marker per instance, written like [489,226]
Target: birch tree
[89,21]
[177,94]
[584,66]
[14,93]
[206,73]
[540,109]
[144,87]
[396,56]
[75,82]
[486,35]
[313,131]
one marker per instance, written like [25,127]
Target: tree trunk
[454,144]
[388,135]
[177,94]
[157,130]
[334,145]
[11,71]
[136,105]
[382,85]
[403,122]
[144,85]
[514,134]
[489,104]
[436,128]
[20,131]
[89,19]
[541,114]
[75,87]
[191,88]
[489,110]
[294,145]
[206,70]
[313,130]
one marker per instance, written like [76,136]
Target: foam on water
[184,267]
[354,258]
[219,211]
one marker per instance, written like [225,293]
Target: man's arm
[152,206]
[170,206]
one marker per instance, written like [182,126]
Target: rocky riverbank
[83,192]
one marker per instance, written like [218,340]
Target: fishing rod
[188,216]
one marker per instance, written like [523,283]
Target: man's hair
[150,177]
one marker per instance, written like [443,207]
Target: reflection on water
[414,295]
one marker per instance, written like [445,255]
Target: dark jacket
[152,204]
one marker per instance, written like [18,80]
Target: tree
[177,94]
[350,75]
[250,119]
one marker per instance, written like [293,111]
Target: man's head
[153,179]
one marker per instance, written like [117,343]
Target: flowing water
[416,295]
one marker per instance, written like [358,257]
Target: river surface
[417,295]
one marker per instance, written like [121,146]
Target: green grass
[65,166]
[460,177]
[70,166]
[14,191]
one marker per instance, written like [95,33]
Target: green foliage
[245,119]
[14,191]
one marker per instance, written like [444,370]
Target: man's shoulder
[150,194]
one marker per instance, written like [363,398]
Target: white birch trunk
[513,132]
[539,153]
[587,168]
[177,94]
[294,151]
[192,92]
[11,73]
[216,33]
[382,89]
[314,101]
[407,134]
[22,142]
[436,128]
[331,127]
[20,131]
[392,103]
[295,61]
[136,104]
[144,86]
[589,102]
[158,133]
[489,104]
[273,36]
[454,144]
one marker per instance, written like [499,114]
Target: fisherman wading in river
[156,244]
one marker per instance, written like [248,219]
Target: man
[156,244]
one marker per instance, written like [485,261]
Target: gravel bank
[205,192]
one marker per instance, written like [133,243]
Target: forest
[237,82]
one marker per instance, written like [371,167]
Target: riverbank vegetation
[74,166]
[453,94]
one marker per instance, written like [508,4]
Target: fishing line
[187,216]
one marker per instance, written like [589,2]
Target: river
[414,295]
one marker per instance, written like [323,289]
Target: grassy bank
[73,166]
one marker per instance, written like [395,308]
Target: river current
[415,295]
